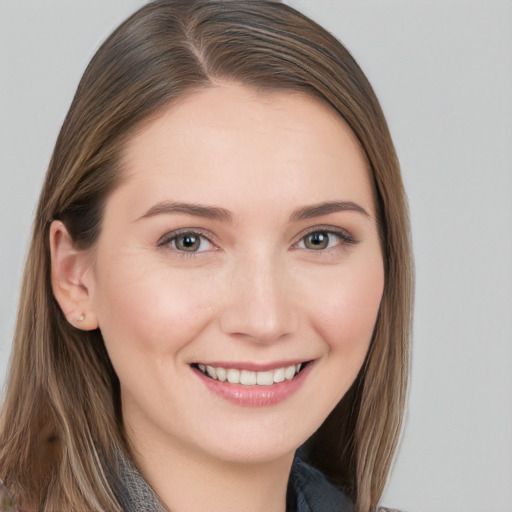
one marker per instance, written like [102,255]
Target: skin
[256,291]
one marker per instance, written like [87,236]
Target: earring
[81,318]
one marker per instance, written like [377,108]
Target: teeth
[221,374]
[289,373]
[250,378]
[247,378]
[233,376]
[279,375]
[264,378]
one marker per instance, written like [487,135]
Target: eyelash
[169,239]
[345,238]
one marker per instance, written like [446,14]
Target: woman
[216,305]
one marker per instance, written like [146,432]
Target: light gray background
[443,73]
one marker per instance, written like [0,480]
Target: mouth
[249,377]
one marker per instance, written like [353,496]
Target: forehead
[230,137]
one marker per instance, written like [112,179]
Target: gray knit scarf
[308,491]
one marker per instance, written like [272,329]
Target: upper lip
[252,366]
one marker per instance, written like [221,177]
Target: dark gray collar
[310,491]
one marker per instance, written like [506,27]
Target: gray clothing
[308,491]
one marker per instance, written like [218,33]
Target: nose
[258,302]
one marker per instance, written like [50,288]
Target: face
[238,273]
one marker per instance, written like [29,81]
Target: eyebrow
[317,210]
[221,214]
[197,210]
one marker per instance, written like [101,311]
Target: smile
[251,378]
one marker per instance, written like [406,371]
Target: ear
[70,268]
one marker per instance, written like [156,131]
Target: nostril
[258,324]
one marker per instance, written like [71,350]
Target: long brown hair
[61,424]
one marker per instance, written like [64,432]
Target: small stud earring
[81,318]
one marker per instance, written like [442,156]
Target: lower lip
[255,396]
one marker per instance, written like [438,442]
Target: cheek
[147,307]
[348,308]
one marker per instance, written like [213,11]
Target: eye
[318,240]
[186,241]
[321,239]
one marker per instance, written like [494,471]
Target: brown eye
[189,242]
[186,242]
[318,240]
[324,239]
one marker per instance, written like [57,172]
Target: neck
[186,480]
